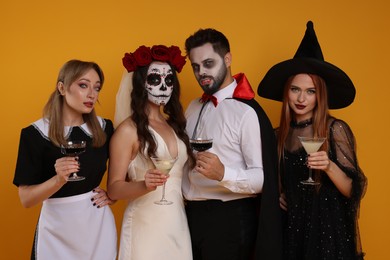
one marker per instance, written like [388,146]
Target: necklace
[301,124]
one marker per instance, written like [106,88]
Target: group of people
[241,199]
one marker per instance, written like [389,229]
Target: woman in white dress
[154,125]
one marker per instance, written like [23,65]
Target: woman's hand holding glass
[64,167]
[318,161]
[155,178]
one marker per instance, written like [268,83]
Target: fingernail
[94,204]
[98,206]
[92,199]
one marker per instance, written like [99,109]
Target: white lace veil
[123,98]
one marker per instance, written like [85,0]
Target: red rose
[142,56]
[160,53]
[176,59]
[129,62]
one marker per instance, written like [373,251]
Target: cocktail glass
[74,148]
[164,165]
[311,145]
[200,144]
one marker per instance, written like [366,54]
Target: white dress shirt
[235,130]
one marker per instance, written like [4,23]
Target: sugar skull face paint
[159,83]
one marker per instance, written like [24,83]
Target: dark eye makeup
[154,79]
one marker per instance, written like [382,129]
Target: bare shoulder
[126,131]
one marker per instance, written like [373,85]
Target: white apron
[72,228]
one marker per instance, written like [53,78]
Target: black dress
[35,164]
[321,223]
[37,156]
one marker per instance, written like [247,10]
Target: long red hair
[320,114]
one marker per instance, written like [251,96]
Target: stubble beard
[217,81]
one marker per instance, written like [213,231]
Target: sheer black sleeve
[343,153]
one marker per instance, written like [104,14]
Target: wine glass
[164,165]
[311,145]
[72,149]
[200,144]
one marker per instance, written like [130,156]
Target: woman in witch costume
[322,220]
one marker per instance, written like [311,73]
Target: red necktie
[206,98]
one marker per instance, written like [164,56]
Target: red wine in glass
[72,149]
[201,145]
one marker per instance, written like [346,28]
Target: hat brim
[341,91]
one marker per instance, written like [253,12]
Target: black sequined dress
[321,223]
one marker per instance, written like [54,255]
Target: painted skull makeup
[159,83]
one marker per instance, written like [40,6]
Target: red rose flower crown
[143,56]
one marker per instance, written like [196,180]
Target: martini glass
[311,145]
[72,149]
[164,165]
[200,144]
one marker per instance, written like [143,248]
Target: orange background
[37,37]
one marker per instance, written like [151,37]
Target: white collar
[226,92]
[42,125]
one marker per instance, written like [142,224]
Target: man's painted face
[208,67]
[159,83]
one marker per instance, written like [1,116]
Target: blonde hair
[69,73]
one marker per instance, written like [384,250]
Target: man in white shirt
[222,191]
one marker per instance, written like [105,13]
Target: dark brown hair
[173,110]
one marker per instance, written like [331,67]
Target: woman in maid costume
[75,221]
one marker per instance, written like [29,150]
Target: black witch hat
[309,59]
